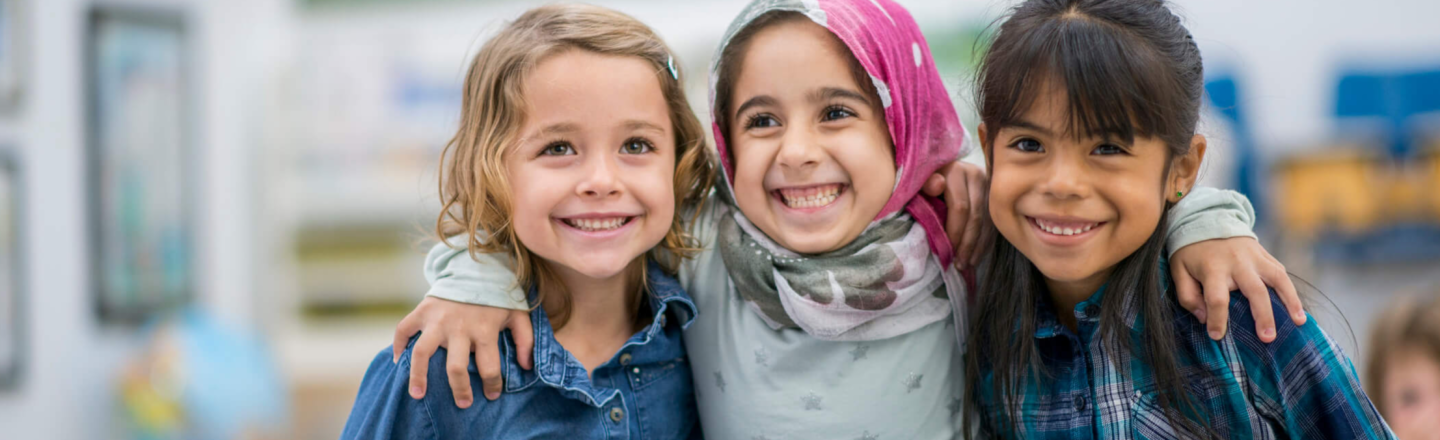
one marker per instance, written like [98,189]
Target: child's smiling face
[811,151]
[1077,207]
[591,177]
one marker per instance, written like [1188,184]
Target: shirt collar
[1047,323]
[555,367]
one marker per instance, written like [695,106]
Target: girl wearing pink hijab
[828,303]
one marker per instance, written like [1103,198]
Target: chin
[812,243]
[599,266]
[1065,270]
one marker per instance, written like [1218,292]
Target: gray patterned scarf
[884,284]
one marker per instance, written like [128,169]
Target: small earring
[1179,194]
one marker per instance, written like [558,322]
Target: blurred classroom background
[213,212]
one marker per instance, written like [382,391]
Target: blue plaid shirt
[1300,386]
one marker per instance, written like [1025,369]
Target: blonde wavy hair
[474,189]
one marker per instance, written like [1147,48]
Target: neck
[597,303]
[602,314]
[1064,295]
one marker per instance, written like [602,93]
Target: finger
[1217,305]
[1277,278]
[1259,296]
[420,362]
[524,337]
[457,363]
[935,185]
[1187,291]
[403,332]
[487,361]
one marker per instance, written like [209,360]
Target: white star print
[812,402]
[912,382]
[859,352]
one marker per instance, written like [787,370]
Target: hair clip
[671,64]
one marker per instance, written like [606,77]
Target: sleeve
[1302,382]
[1207,214]
[383,410]
[486,280]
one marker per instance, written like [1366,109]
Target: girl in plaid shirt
[1089,111]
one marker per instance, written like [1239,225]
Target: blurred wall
[67,390]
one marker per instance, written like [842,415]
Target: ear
[1185,169]
[985,146]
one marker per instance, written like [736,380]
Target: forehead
[794,51]
[593,90]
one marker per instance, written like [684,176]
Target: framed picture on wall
[139,148]
[12,285]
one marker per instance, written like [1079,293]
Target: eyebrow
[639,125]
[829,93]
[1027,125]
[561,128]
[762,100]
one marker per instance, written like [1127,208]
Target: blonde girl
[575,147]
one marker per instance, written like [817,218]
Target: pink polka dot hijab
[896,277]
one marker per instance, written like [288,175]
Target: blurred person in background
[1402,372]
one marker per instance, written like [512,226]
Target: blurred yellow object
[1432,188]
[1406,190]
[1333,189]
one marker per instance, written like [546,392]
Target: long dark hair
[1129,68]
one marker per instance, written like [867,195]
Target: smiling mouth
[597,224]
[1064,228]
[810,197]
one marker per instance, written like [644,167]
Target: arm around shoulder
[488,279]
[1207,214]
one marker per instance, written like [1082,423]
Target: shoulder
[1302,357]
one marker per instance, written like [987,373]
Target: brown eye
[1028,145]
[761,121]
[1108,149]
[837,112]
[558,149]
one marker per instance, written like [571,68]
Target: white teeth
[824,197]
[597,224]
[1063,231]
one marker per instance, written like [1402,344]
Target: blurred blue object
[1393,99]
[1224,94]
[202,380]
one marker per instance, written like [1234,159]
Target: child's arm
[1304,383]
[1210,241]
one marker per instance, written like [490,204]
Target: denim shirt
[643,392]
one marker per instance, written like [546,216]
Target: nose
[601,178]
[1066,178]
[798,150]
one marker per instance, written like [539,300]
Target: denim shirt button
[617,414]
[625,359]
[635,370]
[1092,311]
